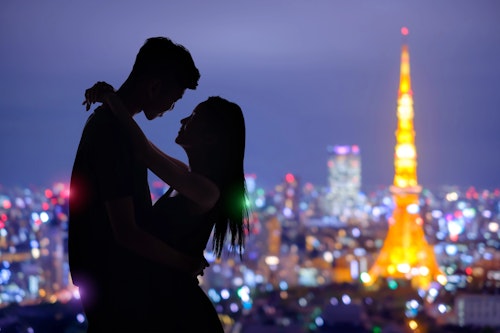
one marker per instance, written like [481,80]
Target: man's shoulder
[101,115]
[102,121]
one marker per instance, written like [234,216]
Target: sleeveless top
[176,222]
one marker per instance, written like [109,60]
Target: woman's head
[217,125]
[214,139]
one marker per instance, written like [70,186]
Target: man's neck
[129,99]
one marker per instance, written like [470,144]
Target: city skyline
[307,75]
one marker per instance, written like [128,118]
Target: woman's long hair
[231,212]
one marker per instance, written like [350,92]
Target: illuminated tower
[272,259]
[273,226]
[406,253]
[290,220]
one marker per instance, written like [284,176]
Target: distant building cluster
[296,240]
[33,243]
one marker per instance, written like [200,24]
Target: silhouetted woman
[211,199]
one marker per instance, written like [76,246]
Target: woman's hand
[97,94]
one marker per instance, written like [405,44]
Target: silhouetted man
[110,201]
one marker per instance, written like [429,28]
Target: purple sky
[307,74]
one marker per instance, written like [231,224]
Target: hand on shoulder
[97,93]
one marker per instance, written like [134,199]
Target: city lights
[398,253]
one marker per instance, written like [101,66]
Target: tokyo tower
[405,253]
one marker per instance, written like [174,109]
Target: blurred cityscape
[319,257]
[303,265]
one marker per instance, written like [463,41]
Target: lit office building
[344,180]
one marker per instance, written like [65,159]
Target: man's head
[162,71]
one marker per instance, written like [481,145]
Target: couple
[135,263]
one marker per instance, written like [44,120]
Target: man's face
[162,98]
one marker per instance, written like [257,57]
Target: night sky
[307,74]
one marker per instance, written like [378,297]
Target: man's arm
[113,164]
[131,236]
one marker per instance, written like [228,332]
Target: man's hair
[161,58]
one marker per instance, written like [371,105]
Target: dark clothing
[178,303]
[108,275]
[176,222]
[120,291]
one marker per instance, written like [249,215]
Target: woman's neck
[200,162]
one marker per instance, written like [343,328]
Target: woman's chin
[150,115]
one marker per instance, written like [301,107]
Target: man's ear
[153,88]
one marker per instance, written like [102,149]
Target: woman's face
[195,130]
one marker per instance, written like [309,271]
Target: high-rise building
[406,253]
[344,180]
[291,197]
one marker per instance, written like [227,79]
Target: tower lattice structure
[406,253]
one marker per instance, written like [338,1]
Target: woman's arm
[194,186]
[179,163]
[140,142]
[172,171]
